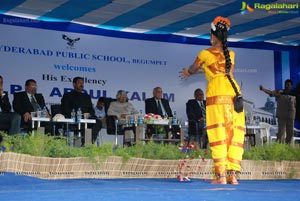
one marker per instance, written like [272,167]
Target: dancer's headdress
[220,27]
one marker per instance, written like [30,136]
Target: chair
[273,137]
[264,133]
[112,127]
[55,109]
[250,140]
[296,136]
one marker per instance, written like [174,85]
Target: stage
[14,187]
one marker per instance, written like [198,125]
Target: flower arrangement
[151,118]
[158,123]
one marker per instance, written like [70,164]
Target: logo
[272,8]
[246,8]
[70,42]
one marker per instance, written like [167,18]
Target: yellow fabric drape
[225,127]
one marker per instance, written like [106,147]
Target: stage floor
[22,188]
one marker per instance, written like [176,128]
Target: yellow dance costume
[225,127]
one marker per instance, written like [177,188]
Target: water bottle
[174,119]
[79,114]
[131,118]
[39,112]
[140,118]
[73,115]
[44,112]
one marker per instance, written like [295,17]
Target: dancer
[225,126]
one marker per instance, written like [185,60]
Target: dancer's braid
[227,56]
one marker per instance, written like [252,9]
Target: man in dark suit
[10,120]
[195,110]
[78,99]
[152,104]
[158,105]
[29,101]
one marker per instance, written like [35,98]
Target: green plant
[49,146]
[274,151]
[38,145]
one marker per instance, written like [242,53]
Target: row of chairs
[268,133]
[265,133]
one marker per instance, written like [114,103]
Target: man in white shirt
[101,111]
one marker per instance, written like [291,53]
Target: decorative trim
[115,167]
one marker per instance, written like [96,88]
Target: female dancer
[225,126]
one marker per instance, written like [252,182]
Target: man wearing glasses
[196,113]
[29,101]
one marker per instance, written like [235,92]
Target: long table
[139,128]
[169,134]
[67,122]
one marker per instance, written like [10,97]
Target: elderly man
[121,108]
[159,105]
[196,113]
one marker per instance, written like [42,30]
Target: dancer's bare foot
[219,180]
[231,178]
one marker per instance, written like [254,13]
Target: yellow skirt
[225,130]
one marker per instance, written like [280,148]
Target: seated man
[29,101]
[6,116]
[101,110]
[195,111]
[158,105]
[78,99]
[121,109]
